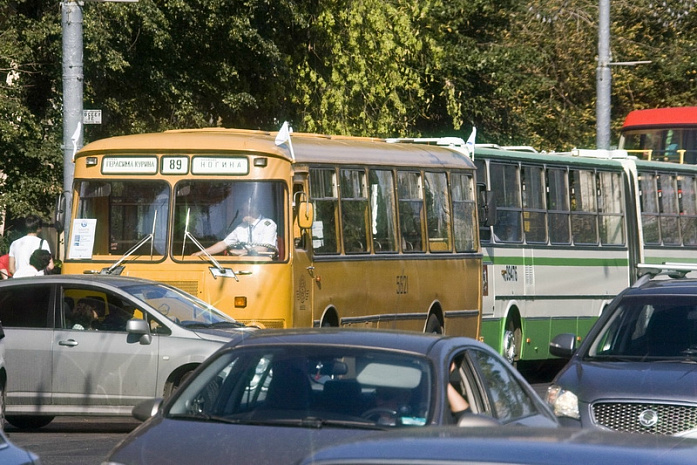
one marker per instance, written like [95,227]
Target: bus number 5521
[402,284]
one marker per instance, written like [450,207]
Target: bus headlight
[563,402]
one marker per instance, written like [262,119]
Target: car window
[332,384]
[26,306]
[507,399]
[86,308]
[648,327]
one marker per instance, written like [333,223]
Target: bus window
[583,195]
[464,212]
[610,210]
[437,212]
[126,212]
[383,214]
[504,178]
[649,207]
[213,209]
[688,209]
[668,202]
[324,195]
[410,206]
[534,210]
[558,205]
[354,210]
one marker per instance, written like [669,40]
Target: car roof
[81,279]
[670,286]
[413,342]
[510,444]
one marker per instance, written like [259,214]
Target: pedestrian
[40,263]
[22,248]
[5,266]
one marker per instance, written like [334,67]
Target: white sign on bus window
[82,238]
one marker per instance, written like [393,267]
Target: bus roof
[307,148]
[674,116]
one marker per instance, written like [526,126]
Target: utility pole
[73,79]
[71,23]
[604,78]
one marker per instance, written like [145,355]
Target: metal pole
[71,22]
[604,78]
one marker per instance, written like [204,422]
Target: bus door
[302,263]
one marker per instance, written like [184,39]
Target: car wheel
[29,422]
[433,325]
[172,387]
[512,338]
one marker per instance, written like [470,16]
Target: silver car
[143,339]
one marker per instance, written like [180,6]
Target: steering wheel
[250,247]
[376,413]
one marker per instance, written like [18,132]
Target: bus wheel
[433,325]
[511,341]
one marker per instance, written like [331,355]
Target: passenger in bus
[255,234]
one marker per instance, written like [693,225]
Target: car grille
[662,419]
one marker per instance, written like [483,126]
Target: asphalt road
[73,440]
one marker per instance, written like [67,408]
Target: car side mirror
[140,329]
[146,409]
[563,345]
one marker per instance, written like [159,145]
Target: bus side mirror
[487,208]
[306,215]
[59,214]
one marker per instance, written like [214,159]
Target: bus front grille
[187,286]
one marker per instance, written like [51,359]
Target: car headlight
[563,402]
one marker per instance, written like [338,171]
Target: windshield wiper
[220,271]
[218,324]
[116,268]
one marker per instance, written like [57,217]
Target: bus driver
[256,234]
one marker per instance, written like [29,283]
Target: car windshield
[652,328]
[310,386]
[181,308]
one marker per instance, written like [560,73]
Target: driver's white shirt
[262,231]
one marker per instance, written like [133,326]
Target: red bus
[665,134]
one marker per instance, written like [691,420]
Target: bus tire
[512,338]
[433,325]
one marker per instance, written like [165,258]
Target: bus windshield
[246,215]
[126,212]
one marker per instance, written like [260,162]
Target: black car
[515,446]
[636,371]
[273,396]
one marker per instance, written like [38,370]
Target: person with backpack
[22,248]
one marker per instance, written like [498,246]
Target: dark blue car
[636,371]
[514,446]
[274,396]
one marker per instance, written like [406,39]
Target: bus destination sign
[129,165]
[219,165]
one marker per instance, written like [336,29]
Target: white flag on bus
[283,136]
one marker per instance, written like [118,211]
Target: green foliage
[522,73]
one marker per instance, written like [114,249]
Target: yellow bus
[348,231]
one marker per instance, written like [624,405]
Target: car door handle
[69,343]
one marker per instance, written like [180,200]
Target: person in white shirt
[256,233]
[22,248]
[40,263]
